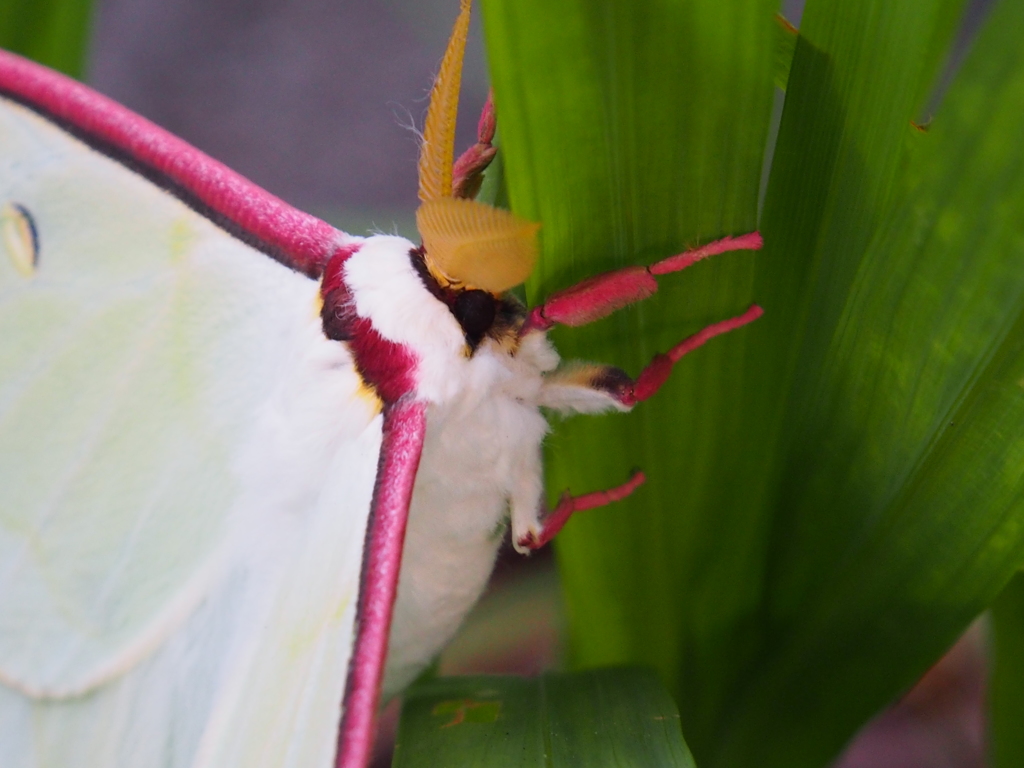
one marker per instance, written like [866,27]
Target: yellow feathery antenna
[438,150]
[467,243]
[477,245]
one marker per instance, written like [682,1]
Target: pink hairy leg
[658,370]
[601,295]
[568,504]
[468,169]
[646,385]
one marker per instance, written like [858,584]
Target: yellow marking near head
[368,394]
[467,243]
[20,239]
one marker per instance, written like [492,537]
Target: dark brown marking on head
[418,257]
[507,324]
[388,367]
[480,314]
[475,310]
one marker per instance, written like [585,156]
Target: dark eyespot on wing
[475,310]
[20,237]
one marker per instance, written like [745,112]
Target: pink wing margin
[305,244]
[405,424]
[254,216]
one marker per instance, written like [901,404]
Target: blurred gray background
[313,100]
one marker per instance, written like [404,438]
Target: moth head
[382,294]
[467,245]
[480,314]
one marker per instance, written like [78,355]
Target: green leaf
[52,32]
[897,515]
[1006,679]
[632,130]
[614,718]
[785,47]
[835,491]
[492,189]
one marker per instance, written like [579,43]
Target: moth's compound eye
[475,311]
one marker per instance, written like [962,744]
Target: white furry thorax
[481,464]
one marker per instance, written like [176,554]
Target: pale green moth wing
[151,432]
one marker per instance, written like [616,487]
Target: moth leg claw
[569,504]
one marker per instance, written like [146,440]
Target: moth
[253,469]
